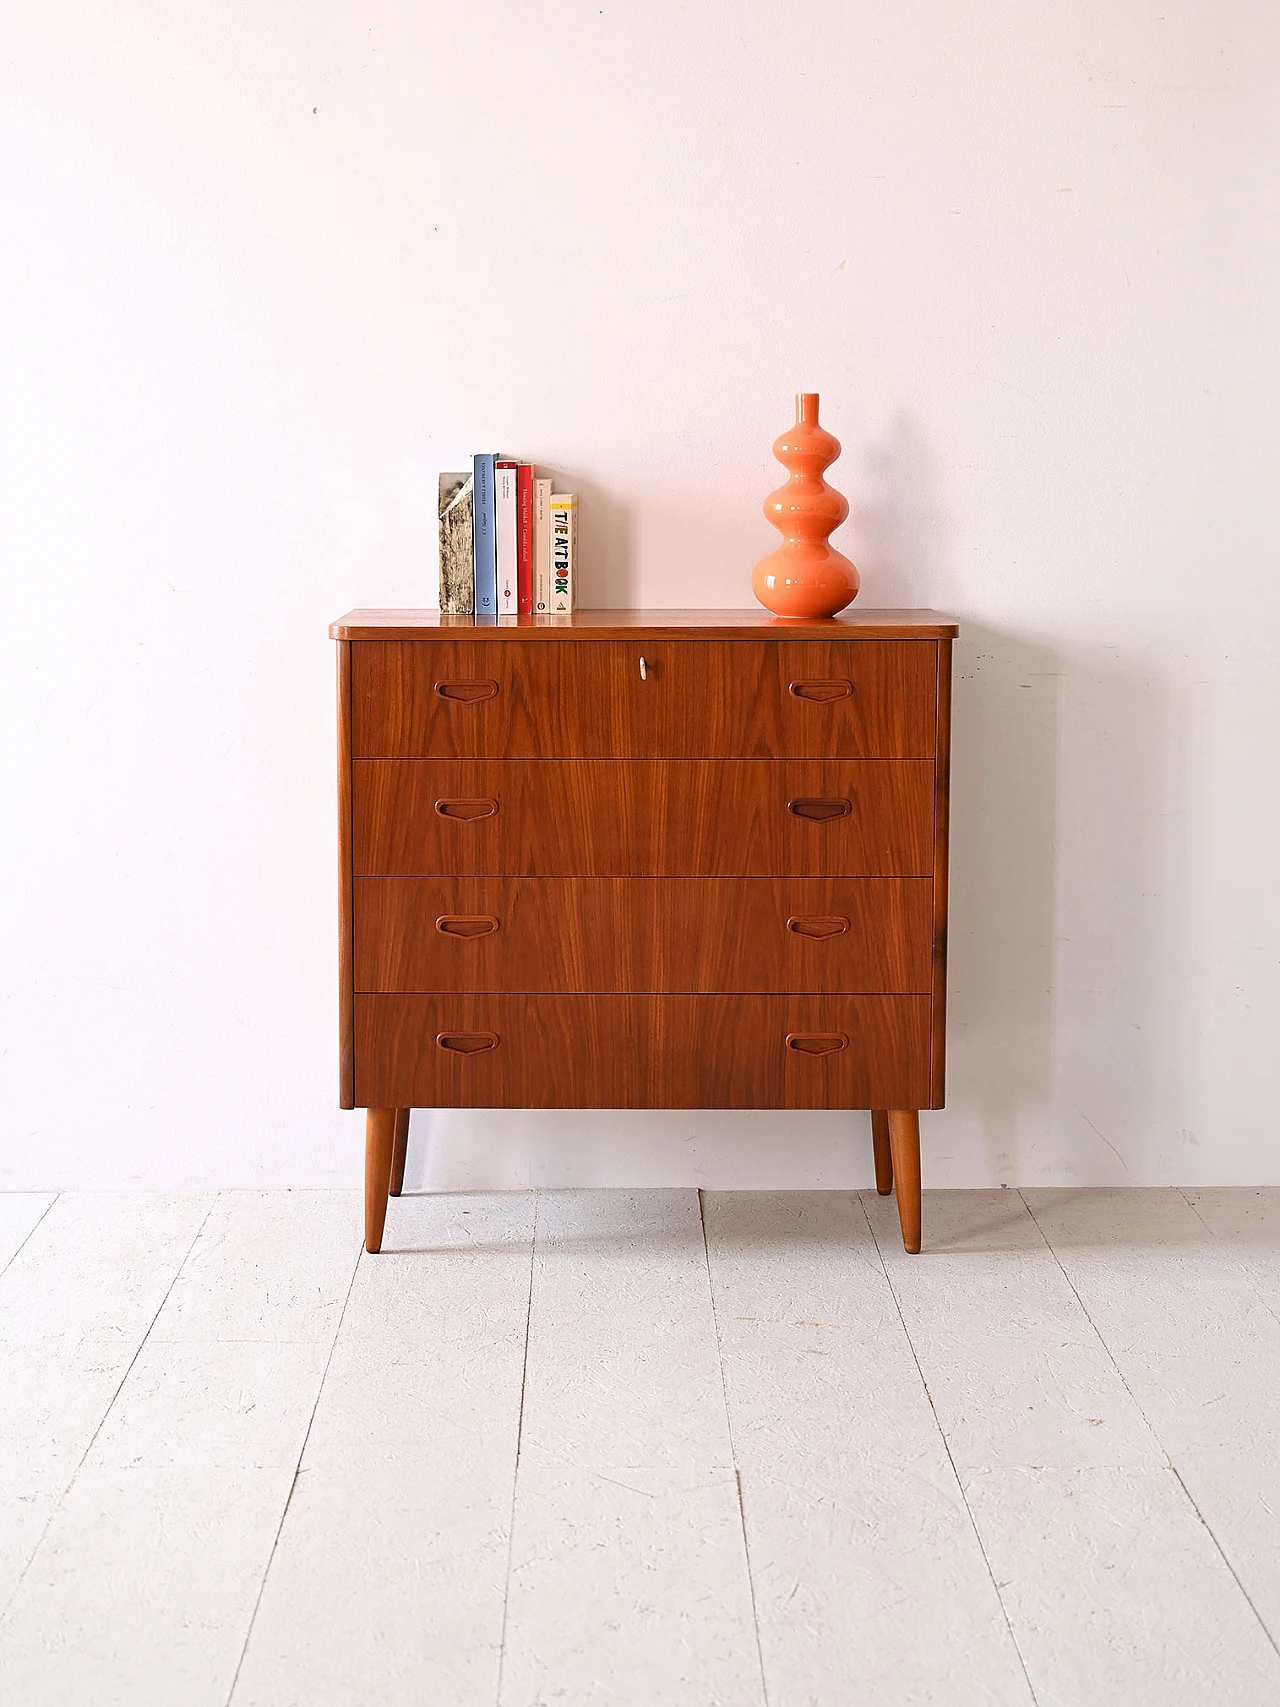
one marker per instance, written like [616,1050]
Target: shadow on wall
[901,527]
[1003,901]
[1005,709]
[1130,953]
[1074,916]
[1075,872]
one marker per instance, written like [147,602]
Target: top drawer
[697,699]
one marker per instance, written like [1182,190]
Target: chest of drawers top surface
[853,624]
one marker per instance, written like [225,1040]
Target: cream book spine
[506,519]
[541,547]
[564,553]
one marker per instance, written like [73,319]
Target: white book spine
[541,547]
[564,553]
[506,519]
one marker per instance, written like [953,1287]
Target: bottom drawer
[581,1051]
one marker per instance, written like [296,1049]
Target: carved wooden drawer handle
[817,1042]
[834,687]
[833,925]
[819,810]
[466,925]
[466,1042]
[466,692]
[466,810]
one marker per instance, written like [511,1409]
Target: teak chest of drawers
[629,859]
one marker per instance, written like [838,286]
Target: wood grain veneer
[639,817]
[752,934]
[641,1051]
[588,699]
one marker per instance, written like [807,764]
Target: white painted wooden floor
[638,1448]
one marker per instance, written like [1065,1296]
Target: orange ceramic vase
[805,576]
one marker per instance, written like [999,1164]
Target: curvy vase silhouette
[805,576]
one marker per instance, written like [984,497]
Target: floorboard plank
[864,1560]
[785,1445]
[1017,1374]
[272,1266]
[628,1573]
[628,1587]
[389,1577]
[623,1366]
[20,1213]
[1246,1220]
[1117,1592]
[142,1588]
[145,1582]
[75,1305]
[1197,1345]
[1185,1315]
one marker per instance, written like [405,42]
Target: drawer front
[633,934]
[638,818]
[606,1051]
[861,699]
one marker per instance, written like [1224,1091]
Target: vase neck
[806,408]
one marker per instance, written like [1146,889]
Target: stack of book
[508,543]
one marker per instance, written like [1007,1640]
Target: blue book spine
[485,538]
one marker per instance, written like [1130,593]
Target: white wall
[267,268]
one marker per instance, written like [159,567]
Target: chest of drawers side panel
[941,855]
[346,948]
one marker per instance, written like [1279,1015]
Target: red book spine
[524,559]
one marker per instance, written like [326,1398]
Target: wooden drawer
[471,698]
[638,818]
[838,935]
[607,1051]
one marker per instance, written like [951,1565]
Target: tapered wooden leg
[379,1140]
[883,1154]
[904,1142]
[399,1149]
